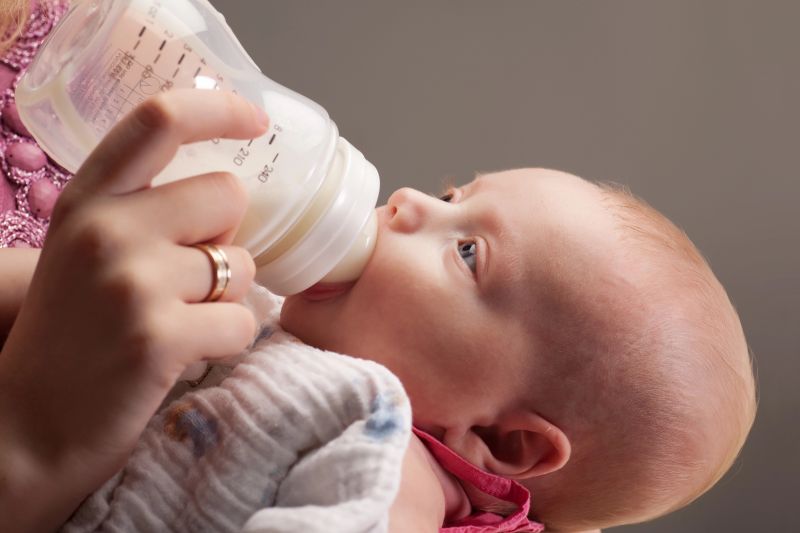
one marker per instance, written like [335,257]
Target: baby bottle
[312,194]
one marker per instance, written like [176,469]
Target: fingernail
[261,115]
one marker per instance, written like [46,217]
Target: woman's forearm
[16,269]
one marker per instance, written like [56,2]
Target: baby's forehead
[577,281]
[543,181]
[545,207]
[558,236]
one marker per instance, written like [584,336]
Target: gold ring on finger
[221,270]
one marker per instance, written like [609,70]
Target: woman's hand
[115,309]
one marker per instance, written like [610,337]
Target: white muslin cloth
[290,439]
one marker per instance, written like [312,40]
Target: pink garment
[30,181]
[496,486]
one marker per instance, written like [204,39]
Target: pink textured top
[30,181]
[502,489]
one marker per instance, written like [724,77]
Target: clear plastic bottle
[312,193]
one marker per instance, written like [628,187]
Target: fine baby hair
[659,408]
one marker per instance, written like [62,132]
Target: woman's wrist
[24,490]
[17,486]
[40,483]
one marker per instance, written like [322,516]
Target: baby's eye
[450,194]
[468,250]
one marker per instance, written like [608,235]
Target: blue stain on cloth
[185,421]
[384,419]
[265,333]
[201,430]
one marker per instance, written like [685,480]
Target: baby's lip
[326,291]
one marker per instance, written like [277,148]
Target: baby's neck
[456,502]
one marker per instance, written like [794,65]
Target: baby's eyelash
[446,195]
[448,185]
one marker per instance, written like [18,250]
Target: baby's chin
[292,320]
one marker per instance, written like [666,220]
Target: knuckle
[230,101]
[232,104]
[230,187]
[64,206]
[128,288]
[98,236]
[237,110]
[156,113]
[61,211]
[148,340]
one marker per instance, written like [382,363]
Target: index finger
[146,139]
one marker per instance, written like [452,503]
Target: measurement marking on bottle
[176,72]
[162,45]
[157,58]
[276,157]
[263,176]
[251,142]
[241,156]
[272,138]
[141,32]
[181,59]
[135,46]
[196,72]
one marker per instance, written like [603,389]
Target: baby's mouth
[326,291]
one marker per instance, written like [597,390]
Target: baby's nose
[408,209]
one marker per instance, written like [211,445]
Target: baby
[547,330]
[555,332]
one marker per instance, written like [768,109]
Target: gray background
[694,104]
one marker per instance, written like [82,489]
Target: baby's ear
[519,445]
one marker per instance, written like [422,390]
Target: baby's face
[456,295]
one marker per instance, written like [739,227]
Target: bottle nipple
[352,264]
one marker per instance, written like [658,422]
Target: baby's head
[552,331]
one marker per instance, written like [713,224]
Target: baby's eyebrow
[450,181]
[474,186]
[504,269]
